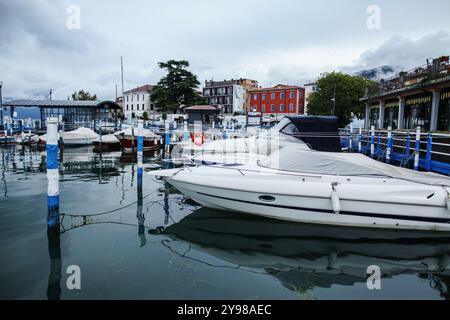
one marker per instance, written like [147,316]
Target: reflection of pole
[139,215]
[52,173]
[54,251]
[3,173]
[166,204]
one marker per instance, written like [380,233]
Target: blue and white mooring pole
[52,173]
[140,147]
[140,154]
[417,150]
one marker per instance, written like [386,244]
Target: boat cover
[80,133]
[145,133]
[344,164]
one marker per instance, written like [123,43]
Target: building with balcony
[229,96]
[278,100]
[137,101]
[416,98]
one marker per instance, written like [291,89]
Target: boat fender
[335,198]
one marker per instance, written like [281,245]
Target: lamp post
[334,99]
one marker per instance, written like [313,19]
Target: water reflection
[54,251]
[303,257]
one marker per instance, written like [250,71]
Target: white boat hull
[396,206]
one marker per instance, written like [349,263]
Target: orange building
[281,99]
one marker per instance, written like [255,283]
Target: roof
[141,89]
[63,103]
[277,87]
[202,108]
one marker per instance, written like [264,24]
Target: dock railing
[428,151]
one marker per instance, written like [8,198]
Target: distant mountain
[377,73]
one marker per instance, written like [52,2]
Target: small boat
[300,185]
[78,137]
[128,140]
[109,142]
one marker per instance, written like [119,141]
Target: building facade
[137,101]
[229,96]
[281,99]
[416,98]
[310,87]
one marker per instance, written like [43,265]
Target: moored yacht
[302,185]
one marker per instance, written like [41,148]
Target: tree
[145,116]
[81,95]
[349,90]
[177,88]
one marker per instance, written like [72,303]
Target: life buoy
[197,138]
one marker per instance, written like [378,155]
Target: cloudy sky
[282,41]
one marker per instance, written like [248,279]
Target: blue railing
[416,150]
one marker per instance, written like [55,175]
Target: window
[299,94]
[282,95]
[255,97]
[281,107]
[127,98]
[152,107]
[131,100]
[137,97]
[272,96]
[143,106]
[131,104]
[290,129]
[263,97]
[272,107]
[292,95]
[291,107]
[143,97]
[263,109]
[127,105]
[255,107]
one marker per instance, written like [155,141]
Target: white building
[309,88]
[137,101]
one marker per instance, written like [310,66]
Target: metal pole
[1,103]
[372,141]
[121,72]
[52,173]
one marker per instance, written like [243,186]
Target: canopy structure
[71,111]
[321,133]
[344,164]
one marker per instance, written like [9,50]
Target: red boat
[128,140]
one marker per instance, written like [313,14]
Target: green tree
[349,90]
[145,116]
[82,95]
[177,88]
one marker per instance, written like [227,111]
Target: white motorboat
[78,137]
[299,131]
[300,185]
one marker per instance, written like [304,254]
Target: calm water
[159,245]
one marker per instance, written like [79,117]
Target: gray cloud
[271,41]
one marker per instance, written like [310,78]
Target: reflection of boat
[321,187]
[128,139]
[80,136]
[316,255]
